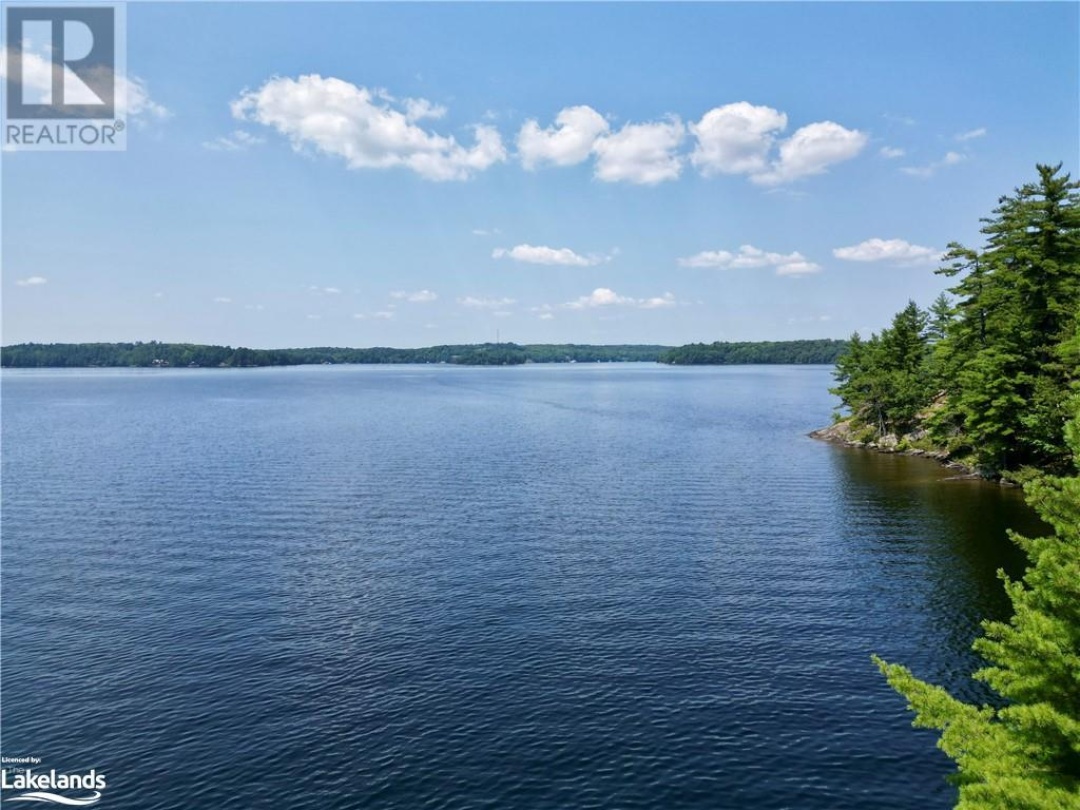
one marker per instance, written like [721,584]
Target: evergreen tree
[849,374]
[1018,302]
[1025,754]
[903,358]
[885,381]
[939,318]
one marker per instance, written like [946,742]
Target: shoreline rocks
[845,434]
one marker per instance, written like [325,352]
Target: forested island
[153,354]
[990,374]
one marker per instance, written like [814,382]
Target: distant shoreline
[189,355]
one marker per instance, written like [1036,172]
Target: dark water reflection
[943,535]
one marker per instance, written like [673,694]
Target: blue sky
[407,175]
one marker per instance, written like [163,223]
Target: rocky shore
[911,444]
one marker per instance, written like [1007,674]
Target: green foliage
[990,369]
[1025,754]
[885,381]
[1019,304]
[784,351]
[939,318]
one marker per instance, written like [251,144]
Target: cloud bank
[786,264]
[887,250]
[367,129]
[605,297]
[371,129]
[539,254]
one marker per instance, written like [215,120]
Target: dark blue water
[615,586]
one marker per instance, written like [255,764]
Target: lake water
[591,586]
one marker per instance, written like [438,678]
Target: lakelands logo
[42,787]
[64,77]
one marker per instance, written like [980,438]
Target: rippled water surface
[614,586]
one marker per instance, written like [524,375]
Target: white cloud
[812,150]
[546,316]
[32,281]
[417,109]
[486,232]
[324,290]
[600,297]
[658,302]
[930,169]
[140,106]
[485,303]
[384,315]
[221,299]
[418,297]
[538,254]
[740,138]
[605,297]
[797,268]
[133,97]
[254,307]
[237,141]
[891,152]
[887,250]
[708,258]
[786,264]
[568,142]
[735,138]
[970,135]
[338,118]
[641,153]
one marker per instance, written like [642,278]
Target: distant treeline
[151,354]
[783,351]
[83,355]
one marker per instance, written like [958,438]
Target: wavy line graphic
[55,798]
